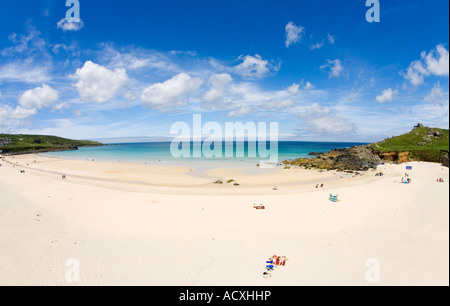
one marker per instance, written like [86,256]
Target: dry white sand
[128,224]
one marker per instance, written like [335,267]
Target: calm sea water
[159,152]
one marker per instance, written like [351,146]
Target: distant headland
[11,144]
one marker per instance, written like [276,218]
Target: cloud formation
[387,95]
[39,97]
[98,84]
[254,66]
[65,25]
[334,68]
[294,33]
[436,63]
[171,93]
[218,84]
[437,95]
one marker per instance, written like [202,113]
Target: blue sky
[133,68]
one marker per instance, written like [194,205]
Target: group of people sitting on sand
[406,181]
[273,262]
[440,180]
[260,206]
[319,186]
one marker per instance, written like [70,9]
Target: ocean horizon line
[112,141]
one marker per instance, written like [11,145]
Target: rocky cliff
[358,158]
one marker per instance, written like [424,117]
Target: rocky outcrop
[432,135]
[358,158]
[397,149]
[445,159]
[316,153]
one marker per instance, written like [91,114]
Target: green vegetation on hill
[423,143]
[14,144]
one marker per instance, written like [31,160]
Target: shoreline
[199,177]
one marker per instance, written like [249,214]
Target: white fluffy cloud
[434,63]
[253,66]
[29,103]
[171,93]
[334,68]
[22,113]
[218,85]
[437,61]
[11,116]
[99,84]
[39,97]
[294,89]
[416,72]
[437,95]
[65,25]
[294,33]
[387,95]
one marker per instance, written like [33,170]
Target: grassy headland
[18,144]
[421,144]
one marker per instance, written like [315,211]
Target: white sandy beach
[129,224]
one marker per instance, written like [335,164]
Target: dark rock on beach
[316,153]
[358,158]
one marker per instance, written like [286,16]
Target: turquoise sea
[160,153]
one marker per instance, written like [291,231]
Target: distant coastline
[16,144]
